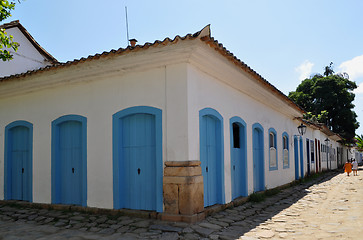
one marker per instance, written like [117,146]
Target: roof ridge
[30,38]
[224,51]
[204,35]
[10,24]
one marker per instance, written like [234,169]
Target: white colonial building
[174,126]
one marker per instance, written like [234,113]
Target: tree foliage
[331,93]
[320,118]
[6,41]
[359,142]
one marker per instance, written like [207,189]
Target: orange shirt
[347,167]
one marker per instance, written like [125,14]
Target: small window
[285,150]
[272,140]
[285,143]
[273,150]
[236,135]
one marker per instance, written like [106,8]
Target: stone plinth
[183,191]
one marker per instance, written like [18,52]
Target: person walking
[347,167]
[355,168]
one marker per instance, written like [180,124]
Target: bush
[256,197]
[271,192]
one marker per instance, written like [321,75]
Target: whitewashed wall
[206,91]
[97,100]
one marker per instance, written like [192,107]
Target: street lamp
[327,147]
[301,129]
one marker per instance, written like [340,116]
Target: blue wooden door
[301,158]
[209,158]
[238,161]
[258,161]
[70,162]
[308,155]
[296,157]
[20,163]
[138,161]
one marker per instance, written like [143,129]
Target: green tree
[331,93]
[359,142]
[6,41]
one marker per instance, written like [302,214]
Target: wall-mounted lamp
[301,129]
[327,141]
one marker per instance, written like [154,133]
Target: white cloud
[353,67]
[359,89]
[304,69]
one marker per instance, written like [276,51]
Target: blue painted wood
[301,157]
[211,159]
[137,158]
[211,155]
[258,158]
[296,157]
[18,161]
[19,154]
[70,157]
[308,155]
[69,160]
[238,158]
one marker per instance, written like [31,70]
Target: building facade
[175,126]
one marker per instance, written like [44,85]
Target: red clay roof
[42,51]
[204,36]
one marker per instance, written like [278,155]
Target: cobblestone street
[329,207]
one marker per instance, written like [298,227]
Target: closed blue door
[210,161]
[211,156]
[238,159]
[138,161]
[258,160]
[20,163]
[296,157]
[308,155]
[70,158]
[301,158]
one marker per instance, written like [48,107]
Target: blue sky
[283,40]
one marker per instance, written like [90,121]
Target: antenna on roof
[127,27]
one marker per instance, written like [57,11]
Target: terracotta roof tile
[204,36]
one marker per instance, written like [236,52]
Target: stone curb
[240,214]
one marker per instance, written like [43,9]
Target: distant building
[30,55]
[175,127]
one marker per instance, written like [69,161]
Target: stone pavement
[329,207]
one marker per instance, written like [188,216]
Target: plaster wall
[313,134]
[205,91]
[98,100]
